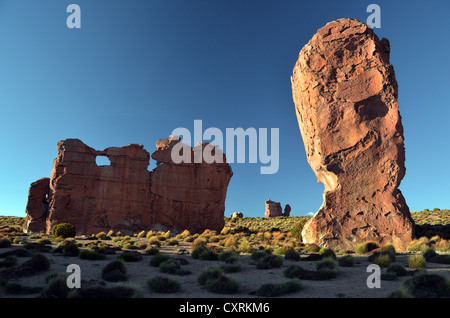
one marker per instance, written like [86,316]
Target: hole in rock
[102,161]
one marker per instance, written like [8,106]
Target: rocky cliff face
[124,196]
[345,96]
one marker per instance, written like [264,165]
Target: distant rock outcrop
[345,96]
[125,196]
[273,209]
[238,215]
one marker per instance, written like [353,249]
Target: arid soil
[350,282]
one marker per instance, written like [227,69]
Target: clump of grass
[172,266]
[68,247]
[382,260]
[327,252]
[259,254]
[163,285]
[115,271]
[153,240]
[209,273]
[158,259]
[275,290]
[204,253]
[116,290]
[232,264]
[366,247]
[63,230]
[396,269]
[326,269]
[173,242]
[151,250]
[296,231]
[292,255]
[183,235]
[346,261]
[91,255]
[384,256]
[270,261]
[418,245]
[130,257]
[424,285]
[56,287]
[4,243]
[417,261]
[433,257]
[311,248]
[38,263]
[245,246]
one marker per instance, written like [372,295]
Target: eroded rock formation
[124,196]
[37,205]
[274,209]
[345,96]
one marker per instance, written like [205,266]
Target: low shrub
[397,269]
[327,252]
[130,256]
[292,255]
[311,248]
[324,273]
[232,264]
[258,255]
[209,273]
[158,259]
[382,260]
[56,287]
[204,253]
[64,230]
[115,271]
[433,257]
[275,290]
[91,255]
[417,261]
[116,290]
[366,247]
[164,285]
[270,261]
[151,250]
[296,231]
[222,285]
[424,286]
[172,266]
[346,261]
[418,245]
[4,243]
[69,248]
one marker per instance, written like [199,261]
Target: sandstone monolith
[345,96]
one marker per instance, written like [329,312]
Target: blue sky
[138,69]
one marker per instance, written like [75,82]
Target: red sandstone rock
[345,96]
[273,209]
[125,196]
[189,195]
[37,205]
